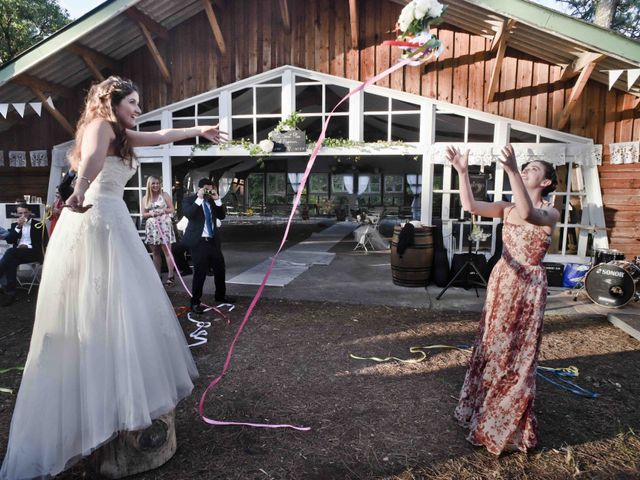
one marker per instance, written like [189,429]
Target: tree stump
[138,451]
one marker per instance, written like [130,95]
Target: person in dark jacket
[202,238]
[29,240]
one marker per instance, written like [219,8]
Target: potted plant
[286,136]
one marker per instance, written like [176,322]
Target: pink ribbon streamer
[258,294]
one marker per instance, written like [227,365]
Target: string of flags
[632,76]
[20,107]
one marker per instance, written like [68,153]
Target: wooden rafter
[97,57]
[155,53]
[93,68]
[215,26]
[54,113]
[353,15]
[141,18]
[576,91]
[499,43]
[580,63]
[42,85]
[284,12]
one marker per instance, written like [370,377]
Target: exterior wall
[320,40]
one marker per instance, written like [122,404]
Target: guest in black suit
[29,241]
[202,237]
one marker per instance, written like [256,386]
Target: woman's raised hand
[459,161]
[212,133]
[508,159]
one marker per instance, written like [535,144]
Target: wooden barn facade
[511,71]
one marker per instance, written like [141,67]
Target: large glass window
[387,119]
[314,101]
[369,190]
[204,113]
[255,111]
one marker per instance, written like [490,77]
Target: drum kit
[611,281]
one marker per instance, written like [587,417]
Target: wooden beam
[215,26]
[353,14]
[97,57]
[55,113]
[575,67]
[93,68]
[27,80]
[503,32]
[284,11]
[141,18]
[155,53]
[576,91]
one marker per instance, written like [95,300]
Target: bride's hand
[76,203]
[212,133]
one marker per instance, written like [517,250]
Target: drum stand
[469,265]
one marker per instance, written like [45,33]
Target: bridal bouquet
[413,27]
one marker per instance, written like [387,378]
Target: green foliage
[289,123]
[626,19]
[24,23]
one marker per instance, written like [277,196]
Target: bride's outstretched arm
[170,135]
[97,137]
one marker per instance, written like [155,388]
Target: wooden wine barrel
[413,269]
[134,452]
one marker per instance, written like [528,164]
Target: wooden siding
[320,39]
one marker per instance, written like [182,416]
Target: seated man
[29,241]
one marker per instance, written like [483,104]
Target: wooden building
[511,71]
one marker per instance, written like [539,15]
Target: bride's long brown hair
[101,102]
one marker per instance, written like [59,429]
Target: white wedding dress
[107,352]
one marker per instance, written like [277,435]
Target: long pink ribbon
[296,202]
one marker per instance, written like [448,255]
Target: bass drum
[612,284]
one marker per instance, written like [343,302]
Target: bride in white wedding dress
[107,353]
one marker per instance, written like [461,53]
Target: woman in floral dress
[496,401]
[158,209]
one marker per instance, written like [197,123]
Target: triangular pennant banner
[37,107]
[19,108]
[613,77]
[50,102]
[632,76]
[4,108]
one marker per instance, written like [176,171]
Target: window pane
[333,94]
[268,100]
[276,183]
[242,128]
[206,121]
[338,128]
[309,99]
[255,189]
[184,124]
[273,81]
[312,126]
[264,126]
[480,131]
[338,183]
[393,183]
[185,112]
[400,105]
[405,128]
[209,108]
[449,127]
[518,136]
[242,102]
[132,200]
[318,183]
[375,128]
[549,140]
[300,78]
[375,103]
[150,126]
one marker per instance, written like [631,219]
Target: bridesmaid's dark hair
[549,174]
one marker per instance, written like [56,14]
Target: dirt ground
[376,421]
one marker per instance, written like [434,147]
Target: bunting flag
[613,77]
[4,108]
[632,76]
[50,102]
[37,107]
[19,108]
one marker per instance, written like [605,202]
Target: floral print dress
[496,401]
[154,224]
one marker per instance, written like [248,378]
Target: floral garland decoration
[412,28]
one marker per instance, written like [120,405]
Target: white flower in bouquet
[477,234]
[266,145]
[407,16]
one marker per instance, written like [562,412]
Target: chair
[364,239]
[33,276]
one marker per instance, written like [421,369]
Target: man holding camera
[202,237]
[29,240]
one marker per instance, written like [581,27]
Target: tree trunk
[605,11]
